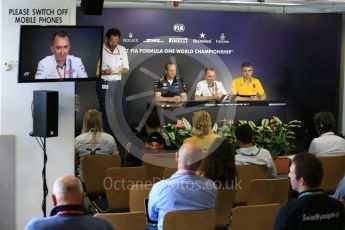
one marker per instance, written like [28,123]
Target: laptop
[148,220]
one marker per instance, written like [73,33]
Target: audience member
[312,209]
[248,153]
[340,191]
[328,144]
[92,139]
[69,212]
[219,165]
[201,131]
[184,190]
[153,142]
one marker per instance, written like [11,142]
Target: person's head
[112,37]
[152,122]
[60,46]
[188,157]
[244,135]
[201,123]
[324,122]
[210,75]
[247,70]
[306,172]
[219,165]
[92,120]
[170,70]
[67,190]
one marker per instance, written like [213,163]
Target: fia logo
[179,27]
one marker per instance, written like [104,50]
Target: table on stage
[241,110]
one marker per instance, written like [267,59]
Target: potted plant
[226,128]
[176,133]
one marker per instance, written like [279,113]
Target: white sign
[38,15]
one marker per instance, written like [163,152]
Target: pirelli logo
[178,40]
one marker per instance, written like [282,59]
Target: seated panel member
[60,65]
[170,88]
[209,89]
[247,87]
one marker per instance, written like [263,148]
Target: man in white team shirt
[327,144]
[114,59]
[114,65]
[60,65]
[209,89]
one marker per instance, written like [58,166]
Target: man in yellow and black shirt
[247,87]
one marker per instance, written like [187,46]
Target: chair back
[246,173]
[268,191]
[198,220]
[125,221]
[156,163]
[168,172]
[118,183]
[137,195]
[333,172]
[224,203]
[94,167]
[258,217]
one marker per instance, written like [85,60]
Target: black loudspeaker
[92,7]
[45,113]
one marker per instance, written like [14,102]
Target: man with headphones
[327,144]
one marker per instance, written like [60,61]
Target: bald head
[68,190]
[189,157]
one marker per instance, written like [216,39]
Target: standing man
[209,89]
[60,65]
[114,64]
[170,88]
[69,212]
[184,190]
[312,209]
[247,87]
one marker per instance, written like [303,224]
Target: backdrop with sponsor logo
[296,57]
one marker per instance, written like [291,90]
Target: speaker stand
[42,144]
[45,188]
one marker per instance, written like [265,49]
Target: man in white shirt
[114,58]
[60,65]
[248,153]
[114,64]
[328,144]
[209,89]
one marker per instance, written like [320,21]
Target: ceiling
[274,6]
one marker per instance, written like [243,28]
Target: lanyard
[66,212]
[213,89]
[310,193]
[64,72]
[186,172]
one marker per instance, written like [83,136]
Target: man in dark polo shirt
[170,88]
[312,209]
